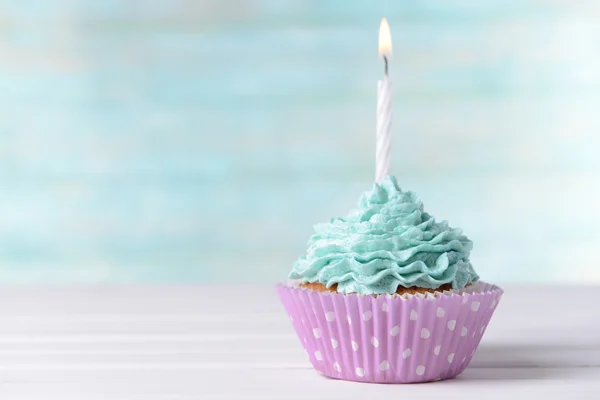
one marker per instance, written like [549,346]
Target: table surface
[207,342]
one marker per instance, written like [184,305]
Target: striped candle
[383,154]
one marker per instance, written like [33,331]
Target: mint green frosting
[388,241]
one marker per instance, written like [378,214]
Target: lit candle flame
[385,39]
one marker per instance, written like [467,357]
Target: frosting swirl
[388,241]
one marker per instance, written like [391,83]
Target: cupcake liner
[390,339]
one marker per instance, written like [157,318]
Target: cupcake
[387,294]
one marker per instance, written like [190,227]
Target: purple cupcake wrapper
[390,339]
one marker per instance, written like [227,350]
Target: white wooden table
[198,342]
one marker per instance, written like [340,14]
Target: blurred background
[199,141]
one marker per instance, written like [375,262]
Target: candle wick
[386,66]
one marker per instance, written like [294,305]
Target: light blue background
[149,141]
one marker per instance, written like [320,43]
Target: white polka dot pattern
[337,367]
[413,315]
[391,339]
[406,353]
[384,365]
[452,324]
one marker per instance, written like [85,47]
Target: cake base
[390,339]
[319,287]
